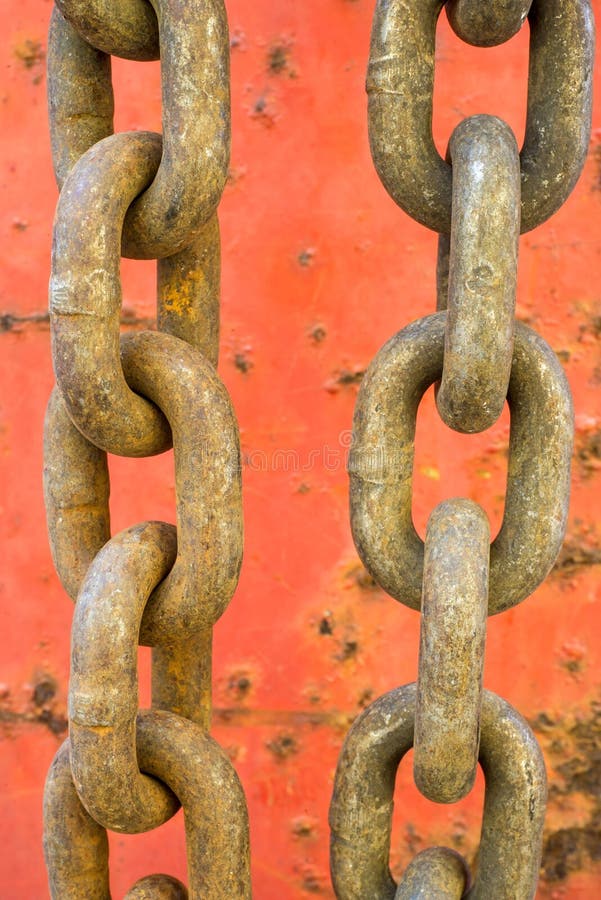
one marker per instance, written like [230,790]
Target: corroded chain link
[479,200]
[141,195]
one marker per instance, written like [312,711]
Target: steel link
[85,296]
[487,24]
[198,771]
[451,653]
[195,56]
[76,495]
[76,847]
[362,802]
[126,28]
[208,484]
[80,95]
[188,286]
[181,755]
[434,874]
[381,464]
[485,230]
[169,211]
[103,689]
[400,84]
[157,887]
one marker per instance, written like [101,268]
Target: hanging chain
[144,196]
[479,200]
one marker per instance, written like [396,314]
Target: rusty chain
[141,195]
[479,200]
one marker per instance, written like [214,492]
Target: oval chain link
[179,754]
[400,84]
[362,802]
[487,24]
[451,650]
[434,874]
[381,464]
[485,230]
[126,28]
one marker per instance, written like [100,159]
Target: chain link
[482,357]
[451,653]
[487,24]
[483,258]
[400,84]
[147,196]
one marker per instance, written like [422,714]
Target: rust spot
[283,746]
[311,883]
[242,363]
[572,744]
[306,256]
[361,578]
[326,625]
[56,723]
[262,110]
[30,53]
[311,880]
[40,708]
[43,698]
[239,685]
[44,691]
[20,225]
[238,40]
[365,697]
[277,58]
[317,333]
[11,322]
[347,377]
[578,551]
[573,657]
[588,452]
[303,488]
[304,827]
[349,649]
[569,850]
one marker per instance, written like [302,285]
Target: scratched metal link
[126,28]
[434,874]
[187,186]
[103,687]
[362,802]
[182,756]
[381,464]
[158,887]
[400,83]
[80,97]
[451,653]
[148,196]
[485,230]
[487,24]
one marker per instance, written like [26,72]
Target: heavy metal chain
[479,200]
[144,196]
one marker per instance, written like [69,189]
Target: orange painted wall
[319,269]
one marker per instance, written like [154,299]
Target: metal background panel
[319,269]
